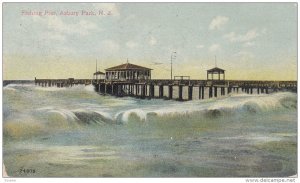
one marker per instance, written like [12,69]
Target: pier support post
[222,91]
[267,91]
[136,90]
[161,91]
[146,90]
[257,90]
[180,92]
[210,92]
[120,90]
[98,87]
[202,92]
[105,88]
[170,92]
[151,87]
[216,91]
[200,88]
[251,90]
[228,90]
[190,92]
[143,88]
[102,88]
[131,89]
[113,89]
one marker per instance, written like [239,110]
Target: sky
[251,41]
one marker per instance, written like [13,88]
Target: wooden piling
[105,88]
[222,91]
[180,92]
[161,91]
[113,89]
[121,89]
[131,89]
[136,90]
[210,92]
[200,88]
[151,88]
[190,92]
[228,90]
[216,91]
[143,91]
[170,92]
[146,90]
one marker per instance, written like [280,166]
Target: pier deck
[146,88]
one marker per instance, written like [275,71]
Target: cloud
[110,45]
[214,47]
[218,22]
[53,36]
[264,31]
[152,41]
[58,26]
[83,27]
[130,18]
[243,55]
[131,44]
[249,44]
[112,7]
[248,36]
[200,46]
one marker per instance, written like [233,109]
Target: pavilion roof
[127,66]
[216,69]
[99,73]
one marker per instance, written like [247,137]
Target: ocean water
[75,132]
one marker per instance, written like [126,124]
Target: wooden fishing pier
[62,82]
[135,81]
[145,89]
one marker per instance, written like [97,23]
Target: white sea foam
[137,112]
[122,109]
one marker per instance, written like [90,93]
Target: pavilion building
[215,71]
[128,71]
[99,75]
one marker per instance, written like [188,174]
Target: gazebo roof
[216,70]
[99,73]
[127,66]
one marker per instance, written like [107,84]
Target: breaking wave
[85,108]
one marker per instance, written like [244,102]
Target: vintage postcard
[150,90]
